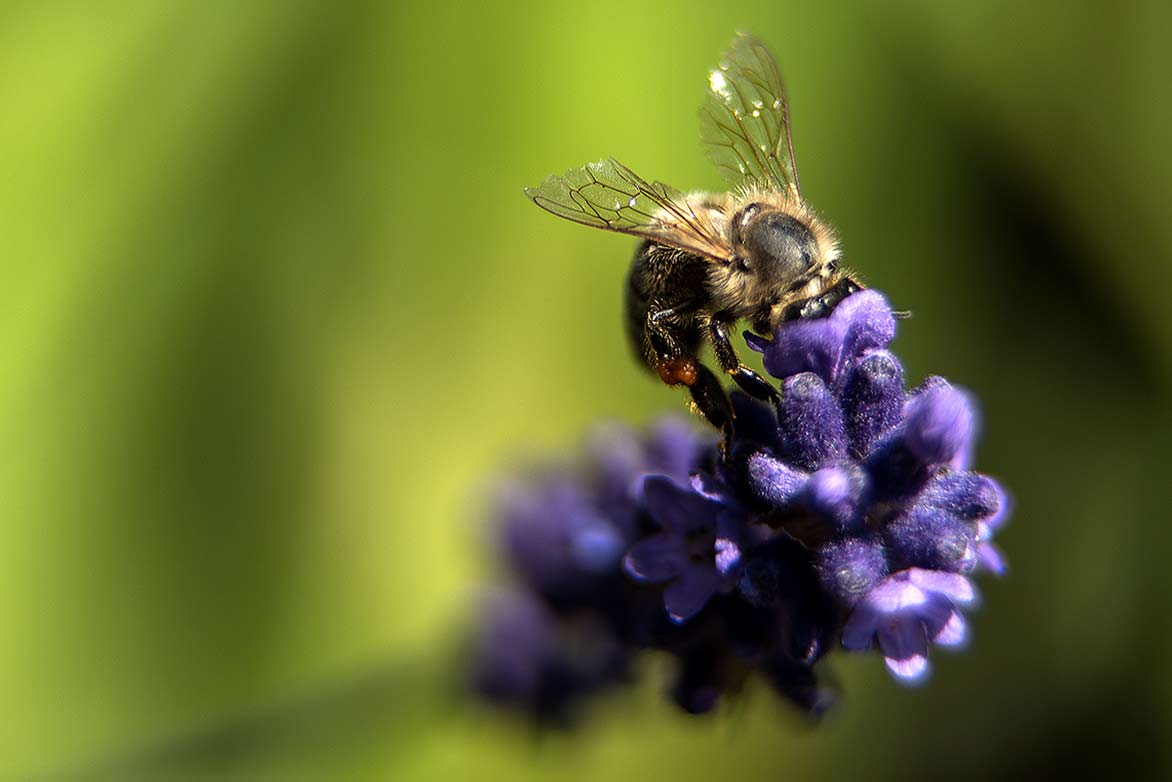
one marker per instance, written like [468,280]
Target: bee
[710,260]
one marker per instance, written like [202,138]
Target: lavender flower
[845,514]
[906,611]
[697,553]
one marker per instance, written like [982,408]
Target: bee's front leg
[750,382]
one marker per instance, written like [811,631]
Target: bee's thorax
[781,254]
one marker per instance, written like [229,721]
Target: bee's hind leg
[709,397]
[671,347]
[750,382]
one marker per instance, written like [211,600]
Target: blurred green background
[273,308]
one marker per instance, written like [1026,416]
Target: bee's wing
[744,121]
[610,196]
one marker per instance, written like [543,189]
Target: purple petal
[939,425]
[829,487]
[836,494]
[996,520]
[912,670]
[859,631]
[757,342]
[869,323]
[903,638]
[675,507]
[728,556]
[806,346]
[773,481]
[688,594]
[655,559]
[711,487]
[954,631]
[952,585]
[990,559]
[935,614]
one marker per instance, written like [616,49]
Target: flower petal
[688,594]
[772,480]
[952,585]
[655,559]
[728,556]
[757,342]
[868,322]
[939,425]
[806,346]
[710,487]
[954,632]
[996,520]
[902,638]
[859,631]
[675,507]
[911,670]
[990,558]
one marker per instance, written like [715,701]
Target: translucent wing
[744,121]
[610,196]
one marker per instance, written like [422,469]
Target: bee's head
[776,247]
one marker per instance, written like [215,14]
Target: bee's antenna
[901,314]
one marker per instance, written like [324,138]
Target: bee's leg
[675,361]
[750,382]
[710,399]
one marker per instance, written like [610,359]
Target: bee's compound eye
[781,244]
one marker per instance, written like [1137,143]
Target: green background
[273,311]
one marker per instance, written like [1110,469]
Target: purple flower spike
[843,510]
[940,425]
[904,613]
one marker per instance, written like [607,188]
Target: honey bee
[756,254]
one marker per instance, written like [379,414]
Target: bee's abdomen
[663,278]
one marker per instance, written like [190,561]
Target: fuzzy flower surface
[844,514]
